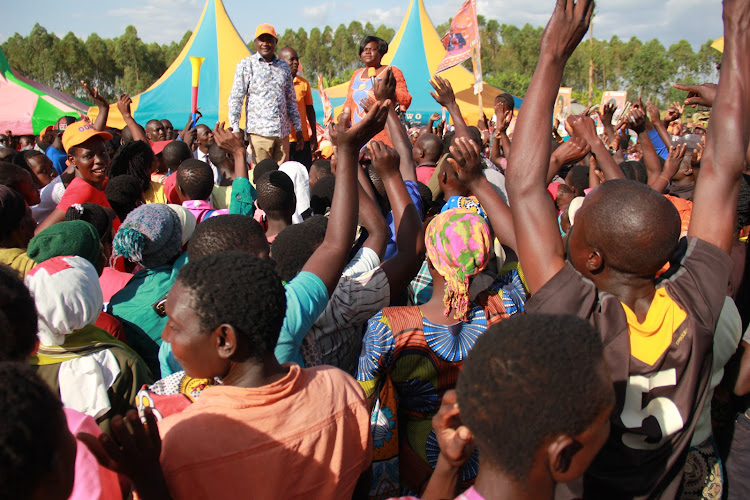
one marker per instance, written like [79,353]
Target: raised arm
[715,198]
[608,113]
[538,241]
[574,149]
[671,166]
[101,119]
[661,128]
[386,89]
[243,193]
[500,139]
[640,125]
[583,126]
[123,104]
[329,259]
[444,96]
[403,266]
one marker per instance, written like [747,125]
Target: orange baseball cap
[79,132]
[265,29]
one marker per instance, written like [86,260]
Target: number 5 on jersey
[663,409]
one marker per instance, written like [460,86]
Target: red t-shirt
[80,191]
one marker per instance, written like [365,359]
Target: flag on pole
[462,37]
[327,108]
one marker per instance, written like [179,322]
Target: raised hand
[581,126]
[129,453]
[226,140]
[466,161]
[455,440]
[443,92]
[569,22]
[355,136]
[385,159]
[385,88]
[123,105]
[608,112]
[571,151]
[702,95]
[674,160]
[188,132]
[95,95]
[366,102]
[636,120]
[434,117]
[653,112]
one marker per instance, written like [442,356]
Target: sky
[165,21]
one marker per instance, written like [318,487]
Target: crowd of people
[385,311]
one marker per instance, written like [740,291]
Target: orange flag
[459,42]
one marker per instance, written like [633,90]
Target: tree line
[509,56]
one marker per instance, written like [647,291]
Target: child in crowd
[277,200]
[195,182]
[16,230]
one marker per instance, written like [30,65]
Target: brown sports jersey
[660,369]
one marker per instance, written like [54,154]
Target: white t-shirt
[50,195]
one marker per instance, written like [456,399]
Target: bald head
[428,148]
[154,131]
[636,228]
[289,56]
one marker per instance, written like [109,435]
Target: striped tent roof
[214,38]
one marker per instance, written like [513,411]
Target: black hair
[323,166]
[448,139]
[18,317]
[636,228]
[295,244]
[28,434]
[634,170]
[134,158]
[263,167]
[216,154]
[123,194]
[238,289]
[743,202]
[507,100]
[12,210]
[382,44]
[276,195]
[578,178]
[20,160]
[126,136]
[227,233]
[11,174]
[530,378]
[321,195]
[94,214]
[196,179]
[175,153]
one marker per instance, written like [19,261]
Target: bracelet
[662,177]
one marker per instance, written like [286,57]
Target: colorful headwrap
[470,203]
[458,245]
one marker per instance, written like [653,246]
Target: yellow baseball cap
[79,132]
[265,29]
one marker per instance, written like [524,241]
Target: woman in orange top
[371,52]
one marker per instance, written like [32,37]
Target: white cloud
[390,17]
[162,21]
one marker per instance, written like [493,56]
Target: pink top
[470,494]
[424,173]
[203,209]
[112,281]
[92,481]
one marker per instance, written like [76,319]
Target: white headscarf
[67,295]
[301,180]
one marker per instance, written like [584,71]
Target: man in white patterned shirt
[271,103]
